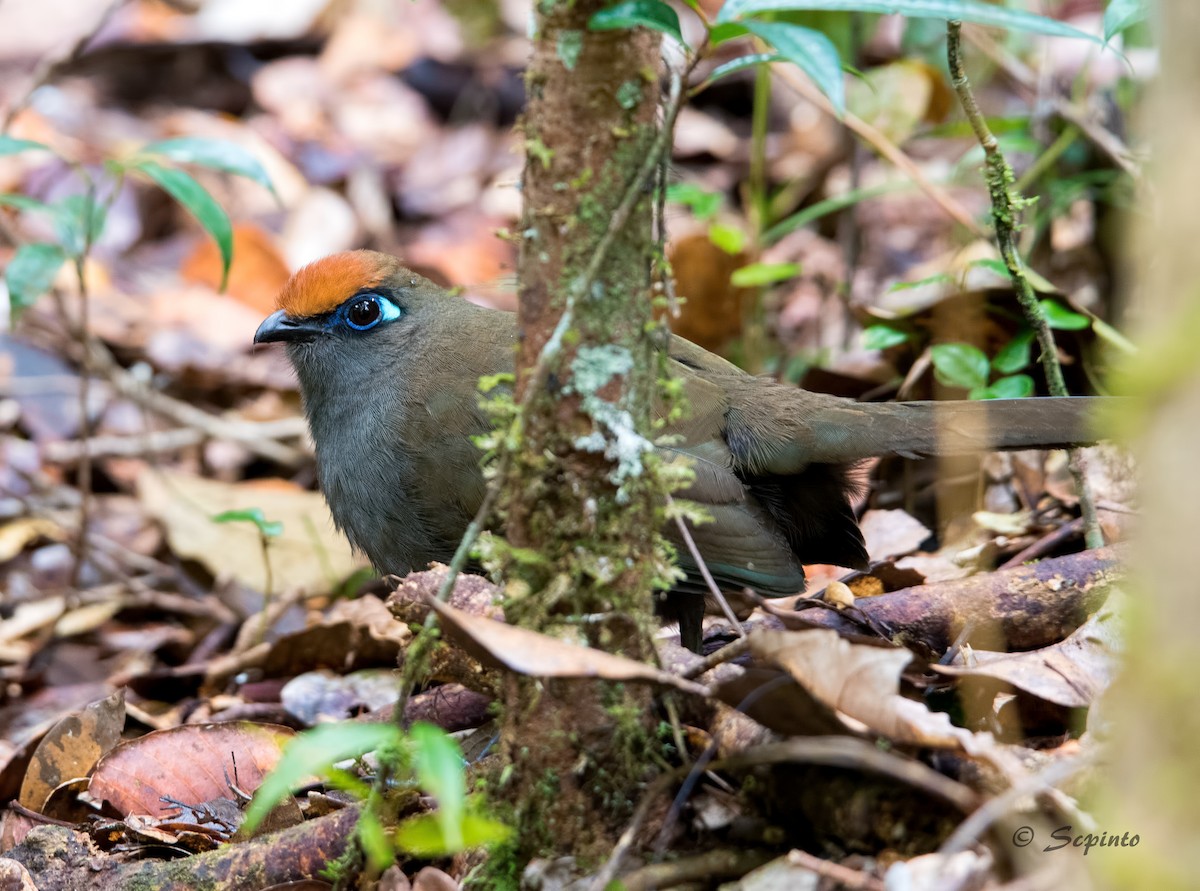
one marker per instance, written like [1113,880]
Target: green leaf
[880,337]
[653,14]
[374,840]
[936,278]
[198,202]
[811,51]
[440,772]
[1061,318]
[723,33]
[215,154]
[739,64]
[758,274]
[1015,354]
[1036,280]
[830,205]
[315,752]
[961,10]
[730,239]
[31,272]
[78,222]
[701,202]
[422,835]
[1120,14]
[10,145]
[1018,386]
[960,365]
[24,202]
[268,529]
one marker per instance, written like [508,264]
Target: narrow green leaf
[1061,318]
[10,145]
[725,32]
[1113,337]
[821,209]
[184,189]
[935,279]
[1015,354]
[730,239]
[314,752]
[1018,386]
[24,202]
[1120,14]
[960,365]
[31,272]
[880,337]
[375,841]
[961,10]
[811,51]
[758,274]
[1036,280]
[215,154]
[653,14]
[267,528]
[740,64]
[441,773]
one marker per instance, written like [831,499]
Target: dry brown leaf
[256,275]
[310,554]
[863,683]
[891,533]
[1071,673]
[192,763]
[72,747]
[538,655]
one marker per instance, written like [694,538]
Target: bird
[389,365]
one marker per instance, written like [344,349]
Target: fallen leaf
[309,554]
[72,747]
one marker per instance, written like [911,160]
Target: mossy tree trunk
[583,489]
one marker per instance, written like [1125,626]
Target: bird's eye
[364,313]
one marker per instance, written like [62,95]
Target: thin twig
[1005,212]
[993,809]
[50,66]
[713,589]
[886,148]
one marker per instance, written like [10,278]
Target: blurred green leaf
[441,773]
[1035,279]
[701,202]
[1018,386]
[24,202]
[1015,354]
[740,64]
[184,189]
[375,840]
[936,278]
[960,365]
[726,31]
[1063,319]
[730,239]
[269,529]
[78,222]
[31,272]
[653,14]
[758,274]
[880,337]
[1120,14]
[830,205]
[215,154]
[314,752]
[811,51]
[10,145]
[962,10]
[422,835]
